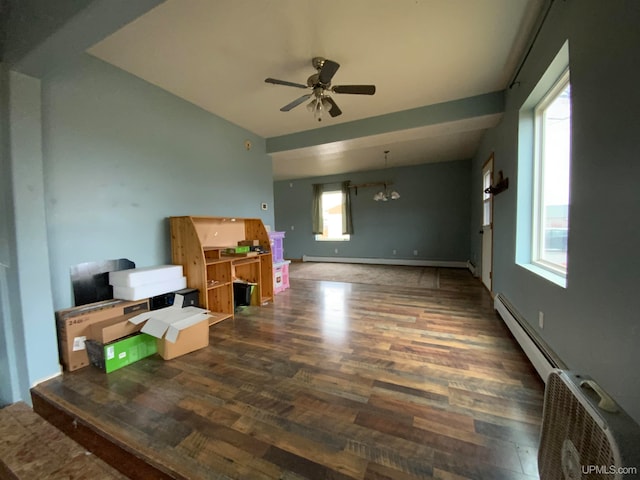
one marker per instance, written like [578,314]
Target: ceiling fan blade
[295,103]
[334,111]
[355,89]
[275,81]
[329,69]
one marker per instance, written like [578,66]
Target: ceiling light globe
[311,106]
[318,111]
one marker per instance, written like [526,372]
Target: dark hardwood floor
[331,381]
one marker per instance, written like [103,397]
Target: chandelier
[386,194]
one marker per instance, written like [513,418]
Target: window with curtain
[332,213]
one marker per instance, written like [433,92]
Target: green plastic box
[112,356]
[238,249]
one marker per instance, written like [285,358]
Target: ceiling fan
[320,84]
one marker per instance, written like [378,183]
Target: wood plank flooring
[330,381]
[56,455]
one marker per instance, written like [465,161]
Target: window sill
[546,274]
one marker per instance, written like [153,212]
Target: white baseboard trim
[387,261]
[54,375]
[472,268]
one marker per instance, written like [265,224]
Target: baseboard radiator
[387,261]
[544,360]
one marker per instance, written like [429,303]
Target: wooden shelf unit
[197,244]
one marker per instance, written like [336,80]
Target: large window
[332,222]
[552,158]
[544,157]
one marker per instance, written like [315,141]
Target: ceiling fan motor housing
[318,62]
[314,81]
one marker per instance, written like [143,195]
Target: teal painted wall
[31,255]
[41,35]
[99,159]
[36,38]
[26,311]
[5,165]
[122,155]
[32,21]
[593,323]
[9,378]
[432,215]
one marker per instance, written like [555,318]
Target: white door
[487,224]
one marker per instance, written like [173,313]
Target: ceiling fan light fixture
[318,110]
[311,106]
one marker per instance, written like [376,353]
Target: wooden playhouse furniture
[199,245]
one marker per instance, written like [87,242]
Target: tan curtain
[316,209]
[347,223]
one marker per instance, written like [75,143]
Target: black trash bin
[242,294]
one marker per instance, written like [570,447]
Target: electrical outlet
[415,252]
[264,206]
[541,319]
[335,250]
[394,252]
[293,227]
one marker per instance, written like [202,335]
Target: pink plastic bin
[281,276]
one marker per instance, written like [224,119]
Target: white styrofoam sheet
[150,289]
[135,277]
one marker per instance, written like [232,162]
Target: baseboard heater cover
[387,261]
[544,360]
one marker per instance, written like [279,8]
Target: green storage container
[238,249]
[112,356]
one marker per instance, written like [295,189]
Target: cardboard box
[189,340]
[113,329]
[178,330]
[73,324]
[121,353]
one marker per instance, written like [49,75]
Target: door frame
[490,164]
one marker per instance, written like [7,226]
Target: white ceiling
[217,53]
